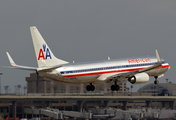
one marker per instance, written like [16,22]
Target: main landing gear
[115,87]
[156,81]
[90,87]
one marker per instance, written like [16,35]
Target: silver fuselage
[88,72]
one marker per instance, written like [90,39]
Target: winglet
[10,59]
[157,56]
[18,66]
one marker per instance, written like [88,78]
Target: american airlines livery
[135,70]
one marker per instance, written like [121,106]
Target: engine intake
[139,78]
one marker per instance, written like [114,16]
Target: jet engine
[139,78]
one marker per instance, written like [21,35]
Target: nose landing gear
[156,81]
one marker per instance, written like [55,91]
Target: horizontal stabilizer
[15,66]
[48,69]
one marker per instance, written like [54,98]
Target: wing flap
[106,76]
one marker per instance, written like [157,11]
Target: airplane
[136,70]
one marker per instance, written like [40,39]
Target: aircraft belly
[80,80]
[157,72]
[71,80]
[162,70]
[54,77]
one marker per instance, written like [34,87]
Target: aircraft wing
[123,76]
[131,74]
[15,66]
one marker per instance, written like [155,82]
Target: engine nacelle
[139,78]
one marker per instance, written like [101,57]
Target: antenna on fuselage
[109,58]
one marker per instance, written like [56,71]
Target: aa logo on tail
[46,51]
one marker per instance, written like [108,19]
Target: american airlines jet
[136,70]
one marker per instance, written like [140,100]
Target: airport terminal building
[161,89]
[42,93]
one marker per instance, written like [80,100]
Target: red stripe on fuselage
[114,71]
[164,66]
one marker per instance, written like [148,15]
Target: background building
[37,84]
[163,97]
[161,89]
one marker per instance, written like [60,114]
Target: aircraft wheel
[92,87]
[112,87]
[115,87]
[88,87]
[156,82]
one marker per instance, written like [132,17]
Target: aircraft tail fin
[44,55]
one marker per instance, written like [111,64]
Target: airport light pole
[0,82]
[6,89]
[19,89]
[131,89]
[127,91]
[16,89]
[10,91]
[25,89]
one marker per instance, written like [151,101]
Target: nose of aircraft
[168,66]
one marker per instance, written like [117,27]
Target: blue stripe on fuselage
[108,68]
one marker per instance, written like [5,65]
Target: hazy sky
[79,30]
